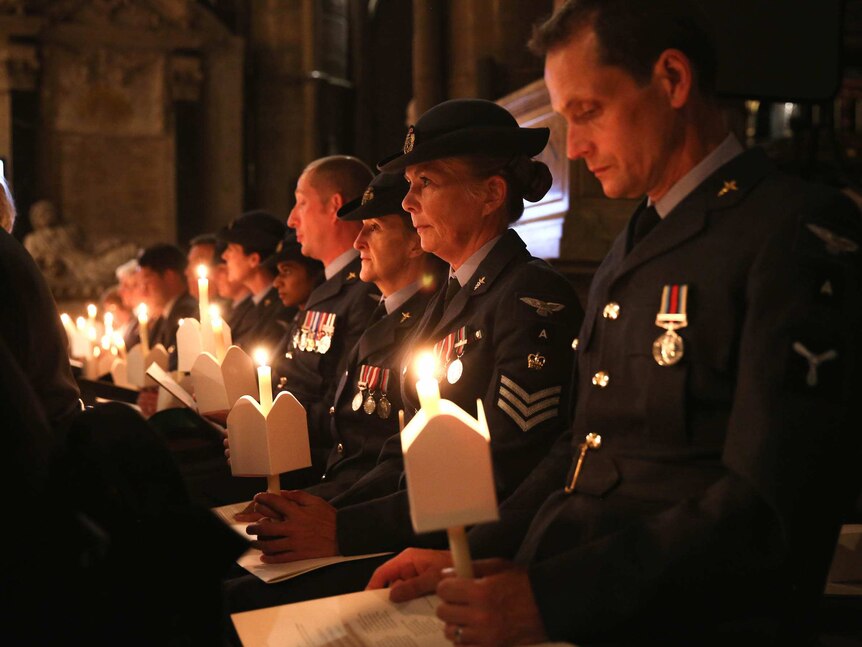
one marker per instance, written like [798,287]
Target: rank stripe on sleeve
[527,409]
[523,424]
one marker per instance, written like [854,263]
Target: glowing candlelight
[264,379]
[91,313]
[80,323]
[218,331]
[427,387]
[203,293]
[109,323]
[143,319]
[120,345]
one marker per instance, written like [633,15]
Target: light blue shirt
[399,297]
[470,266]
[726,151]
[339,263]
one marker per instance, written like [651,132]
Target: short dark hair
[203,239]
[633,33]
[163,257]
[342,174]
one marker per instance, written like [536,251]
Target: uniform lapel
[723,189]
[507,248]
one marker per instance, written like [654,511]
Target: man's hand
[219,417]
[248,514]
[148,401]
[296,526]
[497,608]
[413,573]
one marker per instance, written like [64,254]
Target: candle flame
[106,342]
[202,271]
[91,311]
[426,366]
[261,356]
[119,342]
[97,351]
[109,320]
[66,319]
[80,322]
[143,313]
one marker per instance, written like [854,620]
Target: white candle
[91,314]
[264,380]
[109,323]
[218,331]
[427,388]
[203,293]
[80,323]
[120,345]
[143,319]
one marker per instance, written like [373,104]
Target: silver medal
[455,370]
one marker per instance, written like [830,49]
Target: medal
[326,331]
[455,370]
[668,348]
[370,403]
[362,384]
[384,408]
[324,344]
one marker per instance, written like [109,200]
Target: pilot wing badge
[543,308]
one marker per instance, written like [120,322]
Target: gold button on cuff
[611,311]
[575,344]
[339,448]
[331,411]
[601,379]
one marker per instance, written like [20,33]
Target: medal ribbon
[306,325]
[372,378]
[364,370]
[461,341]
[674,301]
[384,381]
[315,323]
[329,323]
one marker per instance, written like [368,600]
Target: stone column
[428,54]
[222,97]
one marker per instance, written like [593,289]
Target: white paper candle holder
[447,461]
[131,372]
[218,386]
[268,445]
[192,340]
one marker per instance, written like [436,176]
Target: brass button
[611,311]
[575,344]
[601,379]
[339,448]
[331,411]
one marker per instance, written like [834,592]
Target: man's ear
[675,74]
[254,259]
[414,245]
[336,201]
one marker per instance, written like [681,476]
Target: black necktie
[378,313]
[646,220]
[451,290]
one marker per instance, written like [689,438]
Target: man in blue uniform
[715,440]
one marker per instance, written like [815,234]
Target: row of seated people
[641,464]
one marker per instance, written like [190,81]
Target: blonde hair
[7,206]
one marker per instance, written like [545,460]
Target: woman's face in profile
[444,210]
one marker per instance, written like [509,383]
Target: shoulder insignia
[280,247]
[351,276]
[813,361]
[479,283]
[543,308]
[404,317]
[729,185]
[543,334]
[528,409]
[267,302]
[835,244]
